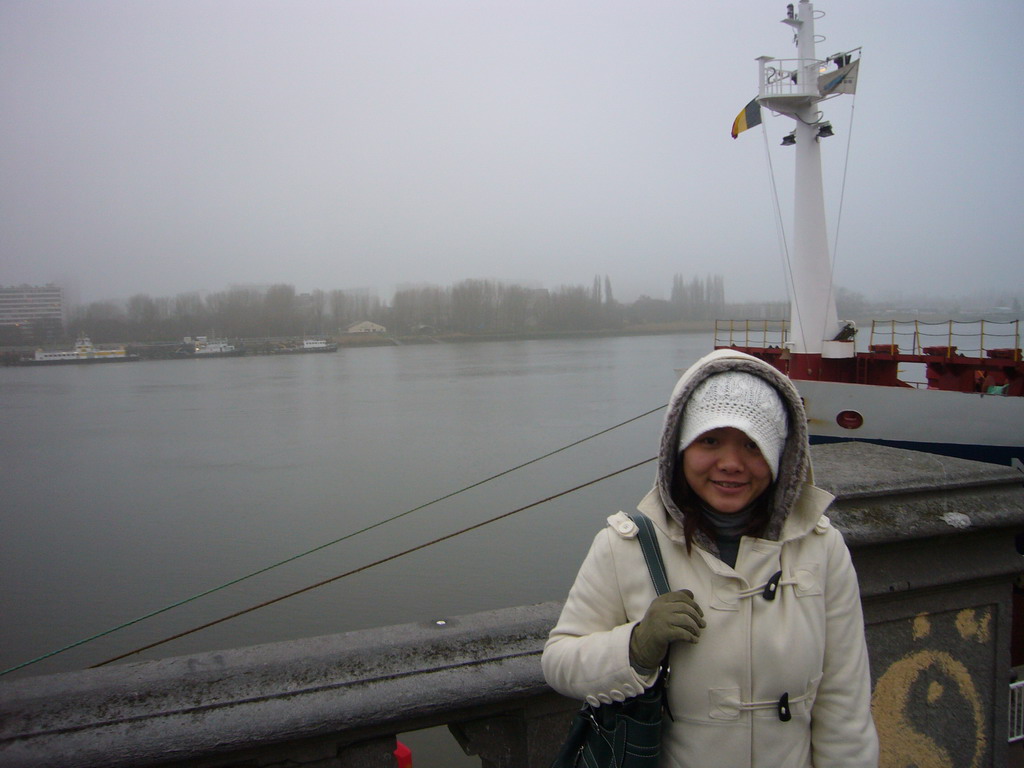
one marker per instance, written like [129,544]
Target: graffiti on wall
[930,688]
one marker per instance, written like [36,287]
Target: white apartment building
[31,305]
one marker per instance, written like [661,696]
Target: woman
[764,631]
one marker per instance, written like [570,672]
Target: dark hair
[694,519]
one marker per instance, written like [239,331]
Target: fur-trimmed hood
[794,464]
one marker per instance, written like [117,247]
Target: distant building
[38,310]
[257,288]
[365,326]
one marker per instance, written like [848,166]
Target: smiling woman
[751,647]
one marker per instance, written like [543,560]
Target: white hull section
[905,415]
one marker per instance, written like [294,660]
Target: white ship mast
[974,401]
[794,87]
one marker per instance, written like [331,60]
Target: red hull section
[994,370]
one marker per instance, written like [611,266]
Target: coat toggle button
[772,586]
[784,713]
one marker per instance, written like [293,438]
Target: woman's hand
[670,617]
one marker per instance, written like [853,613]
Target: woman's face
[726,469]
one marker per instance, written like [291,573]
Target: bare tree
[316,312]
[280,311]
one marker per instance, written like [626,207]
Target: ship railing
[1016,711]
[789,77]
[751,334]
[951,338]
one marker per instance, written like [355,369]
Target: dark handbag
[623,734]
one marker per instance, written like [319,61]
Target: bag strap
[651,550]
[656,567]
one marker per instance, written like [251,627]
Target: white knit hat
[740,400]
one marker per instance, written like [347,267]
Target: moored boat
[972,402]
[308,345]
[84,352]
[202,347]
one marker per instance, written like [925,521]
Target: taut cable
[240,579]
[362,568]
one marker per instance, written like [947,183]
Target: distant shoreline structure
[165,350]
[168,350]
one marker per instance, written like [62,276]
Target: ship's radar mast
[794,88]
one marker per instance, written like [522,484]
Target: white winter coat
[724,691]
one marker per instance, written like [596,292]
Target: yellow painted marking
[970,627]
[901,745]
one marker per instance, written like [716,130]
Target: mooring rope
[839,213]
[362,568]
[780,233]
[212,590]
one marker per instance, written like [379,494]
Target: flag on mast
[748,117]
[842,80]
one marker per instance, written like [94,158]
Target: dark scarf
[728,530]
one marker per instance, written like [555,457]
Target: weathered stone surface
[932,538]
[378,681]
[888,494]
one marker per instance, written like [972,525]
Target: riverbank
[167,350]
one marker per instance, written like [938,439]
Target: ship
[202,347]
[84,352]
[971,404]
[308,345]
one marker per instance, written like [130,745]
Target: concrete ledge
[915,520]
[383,680]
[888,494]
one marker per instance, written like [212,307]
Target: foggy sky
[175,145]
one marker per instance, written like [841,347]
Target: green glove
[670,617]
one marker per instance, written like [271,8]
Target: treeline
[235,313]
[488,307]
[468,307]
[483,306]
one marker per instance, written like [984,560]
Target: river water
[128,488]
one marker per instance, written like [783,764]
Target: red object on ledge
[403,755]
